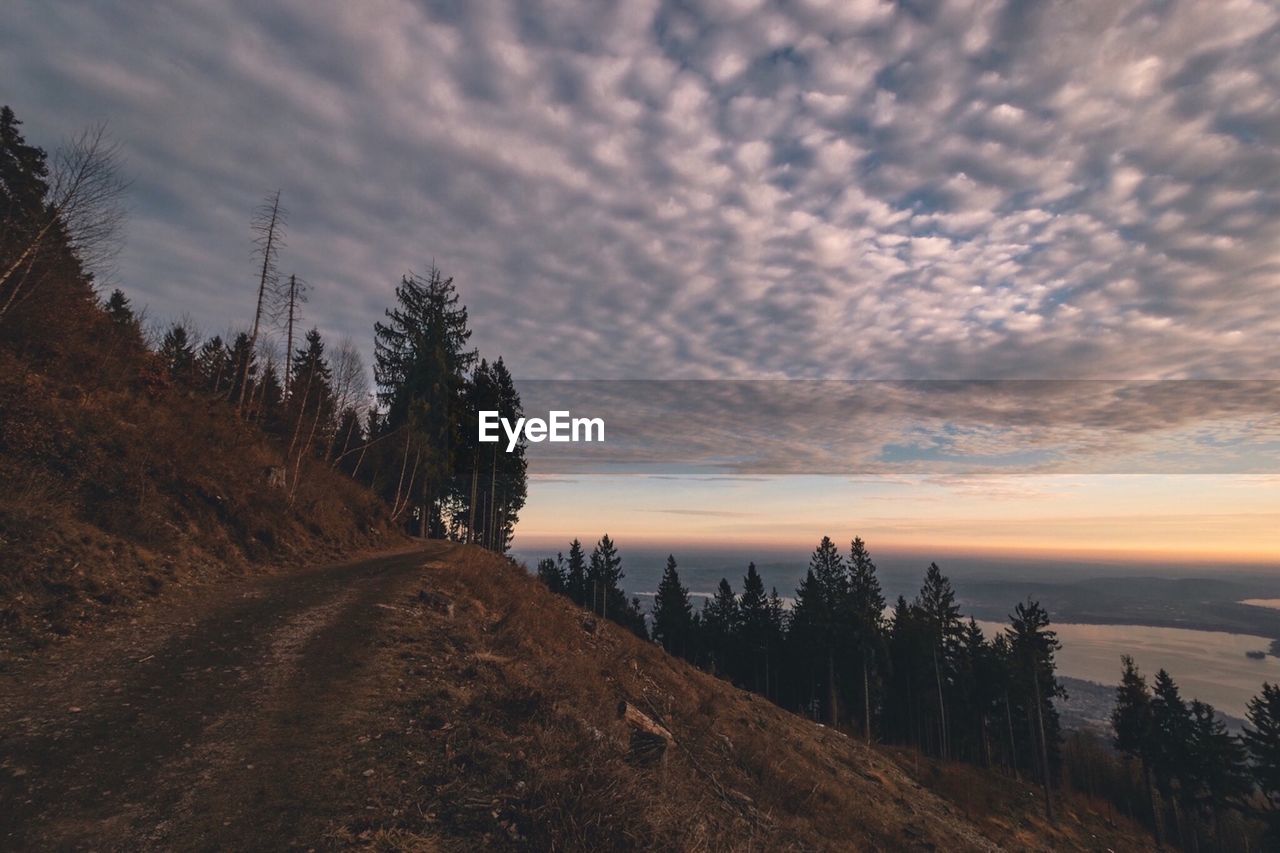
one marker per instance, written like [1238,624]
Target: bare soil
[211,728]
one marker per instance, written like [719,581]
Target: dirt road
[225,728]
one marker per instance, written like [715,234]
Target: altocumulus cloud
[733,188]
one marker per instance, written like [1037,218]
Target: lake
[1207,665]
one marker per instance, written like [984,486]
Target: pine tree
[243,366]
[421,365]
[24,173]
[910,646]
[1133,726]
[1032,646]
[980,681]
[673,613]
[604,574]
[177,354]
[1217,775]
[865,614]
[805,637]
[832,578]
[720,620]
[211,365]
[1262,737]
[510,482]
[941,617]
[754,625]
[1171,727]
[1262,740]
[551,573]
[576,577]
[120,310]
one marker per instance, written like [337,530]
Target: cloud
[733,188]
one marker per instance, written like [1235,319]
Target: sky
[736,189]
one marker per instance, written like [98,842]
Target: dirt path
[223,731]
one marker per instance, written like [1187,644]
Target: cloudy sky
[717,189]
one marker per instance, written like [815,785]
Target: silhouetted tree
[865,613]
[1134,728]
[1032,646]
[672,613]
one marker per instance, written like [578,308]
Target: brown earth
[441,699]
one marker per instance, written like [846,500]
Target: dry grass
[116,492]
[498,727]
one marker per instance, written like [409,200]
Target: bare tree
[295,295]
[268,228]
[350,380]
[85,206]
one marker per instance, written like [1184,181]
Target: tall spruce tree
[1262,740]
[178,354]
[673,613]
[1032,646]
[755,628]
[832,578]
[720,620]
[576,575]
[1133,728]
[551,573]
[865,613]
[940,616]
[421,366]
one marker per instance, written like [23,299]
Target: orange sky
[1211,518]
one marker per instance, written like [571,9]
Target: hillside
[442,700]
[502,725]
[123,487]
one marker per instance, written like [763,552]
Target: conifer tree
[604,574]
[673,613]
[1171,727]
[831,576]
[865,609]
[178,355]
[120,310]
[720,621]
[242,367]
[941,618]
[1217,775]
[1262,740]
[576,576]
[1032,646]
[1133,726]
[551,573]
[421,365]
[806,637]
[755,628]
[211,364]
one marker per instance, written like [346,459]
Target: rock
[649,741]
[438,602]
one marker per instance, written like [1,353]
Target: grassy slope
[120,489]
[495,722]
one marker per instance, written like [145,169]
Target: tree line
[920,675]
[413,442]
[1197,777]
